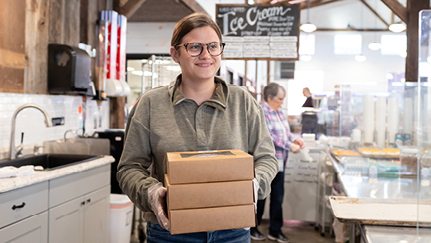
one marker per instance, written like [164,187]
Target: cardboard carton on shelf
[211,194]
[209,166]
[210,219]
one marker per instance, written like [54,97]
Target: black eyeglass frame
[202,49]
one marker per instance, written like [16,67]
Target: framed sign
[259,32]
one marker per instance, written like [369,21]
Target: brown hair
[191,22]
[271,91]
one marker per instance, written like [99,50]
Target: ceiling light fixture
[397,27]
[374,46]
[360,58]
[308,27]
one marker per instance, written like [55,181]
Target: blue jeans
[156,234]
[275,205]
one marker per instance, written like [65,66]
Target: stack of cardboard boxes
[209,190]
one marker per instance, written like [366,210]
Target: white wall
[149,37]
[31,121]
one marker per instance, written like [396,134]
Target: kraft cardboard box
[209,166]
[209,219]
[211,194]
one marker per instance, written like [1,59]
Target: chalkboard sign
[262,32]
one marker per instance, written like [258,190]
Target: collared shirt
[280,133]
[164,121]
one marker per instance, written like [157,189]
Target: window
[348,44]
[393,44]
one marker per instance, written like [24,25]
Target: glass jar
[409,159]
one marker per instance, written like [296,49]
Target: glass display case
[383,153]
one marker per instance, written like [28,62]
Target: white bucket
[121,218]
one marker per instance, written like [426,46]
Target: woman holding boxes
[196,112]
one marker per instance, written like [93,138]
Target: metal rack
[324,189]
[158,71]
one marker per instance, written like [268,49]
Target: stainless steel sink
[50,161]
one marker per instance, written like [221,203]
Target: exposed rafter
[129,8]
[316,3]
[375,13]
[352,29]
[397,8]
[194,6]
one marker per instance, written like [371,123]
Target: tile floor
[296,231]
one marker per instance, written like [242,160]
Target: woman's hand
[299,142]
[295,148]
[157,198]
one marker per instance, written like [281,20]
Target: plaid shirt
[278,126]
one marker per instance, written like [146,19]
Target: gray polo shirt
[164,121]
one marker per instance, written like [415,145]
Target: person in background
[309,101]
[273,95]
[196,112]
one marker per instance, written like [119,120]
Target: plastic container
[409,158]
[121,218]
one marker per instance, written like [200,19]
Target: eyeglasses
[195,49]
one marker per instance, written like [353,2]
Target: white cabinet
[82,209]
[74,208]
[33,229]
[23,214]
[97,216]
[66,222]
[21,203]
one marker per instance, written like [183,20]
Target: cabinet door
[66,222]
[33,229]
[97,216]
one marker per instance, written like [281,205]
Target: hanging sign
[262,32]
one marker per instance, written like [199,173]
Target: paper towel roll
[408,116]
[393,119]
[368,122]
[381,121]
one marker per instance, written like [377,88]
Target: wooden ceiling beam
[374,12]
[194,6]
[397,8]
[129,8]
[353,29]
[316,3]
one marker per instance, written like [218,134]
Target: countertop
[8,184]
[388,188]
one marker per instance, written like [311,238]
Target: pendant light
[361,57]
[397,27]
[308,27]
[374,45]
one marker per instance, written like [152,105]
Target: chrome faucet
[12,149]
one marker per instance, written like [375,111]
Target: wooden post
[12,46]
[36,47]
[268,73]
[255,77]
[116,112]
[245,74]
